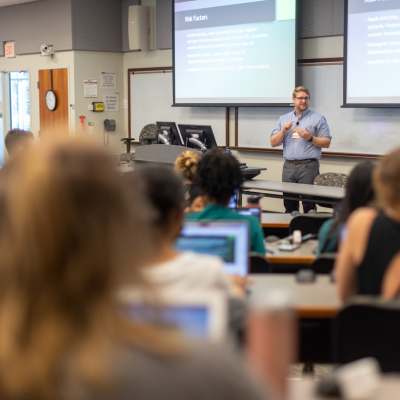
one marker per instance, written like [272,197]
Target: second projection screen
[372,57]
[234,51]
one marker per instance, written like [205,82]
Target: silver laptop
[228,240]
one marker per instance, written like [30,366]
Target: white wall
[90,65]
[32,64]
[322,47]
[142,59]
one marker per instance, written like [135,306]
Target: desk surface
[303,389]
[311,300]
[295,188]
[275,220]
[304,255]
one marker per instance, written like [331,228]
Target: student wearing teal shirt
[328,241]
[219,176]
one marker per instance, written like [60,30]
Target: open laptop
[228,240]
[200,315]
[234,200]
[252,211]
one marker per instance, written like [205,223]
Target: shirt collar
[302,115]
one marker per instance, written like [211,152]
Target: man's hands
[277,138]
[286,126]
[298,132]
[304,133]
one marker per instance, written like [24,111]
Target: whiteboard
[151,101]
[354,130]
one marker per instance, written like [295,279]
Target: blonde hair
[299,89]
[186,164]
[71,235]
[387,180]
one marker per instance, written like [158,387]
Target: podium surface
[159,153]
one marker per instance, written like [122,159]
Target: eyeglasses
[303,98]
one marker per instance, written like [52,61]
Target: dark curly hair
[219,175]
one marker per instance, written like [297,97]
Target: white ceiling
[4,3]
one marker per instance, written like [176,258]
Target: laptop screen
[227,240]
[252,211]
[234,200]
[192,320]
[200,315]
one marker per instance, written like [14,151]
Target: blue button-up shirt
[298,148]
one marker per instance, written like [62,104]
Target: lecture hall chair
[308,223]
[369,327]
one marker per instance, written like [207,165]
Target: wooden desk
[303,389]
[304,255]
[295,191]
[275,220]
[311,300]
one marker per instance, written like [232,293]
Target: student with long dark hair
[359,192]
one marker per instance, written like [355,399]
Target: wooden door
[53,123]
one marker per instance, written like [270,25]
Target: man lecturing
[303,132]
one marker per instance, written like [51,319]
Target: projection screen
[372,53]
[234,52]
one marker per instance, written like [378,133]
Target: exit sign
[9,49]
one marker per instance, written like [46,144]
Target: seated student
[372,237]
[17,140]
[71,236]
[170,269]
[186,165]
[196,199]
[358,193]
[219,176]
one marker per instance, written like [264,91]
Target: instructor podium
[159,153]
[166,155]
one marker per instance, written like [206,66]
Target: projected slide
[234,51]
[373,52]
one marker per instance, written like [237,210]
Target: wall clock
[51,100]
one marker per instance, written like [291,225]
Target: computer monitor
[252,211]
[198,315]
[200,137]
[228,240]
[234,200]
[171,133]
